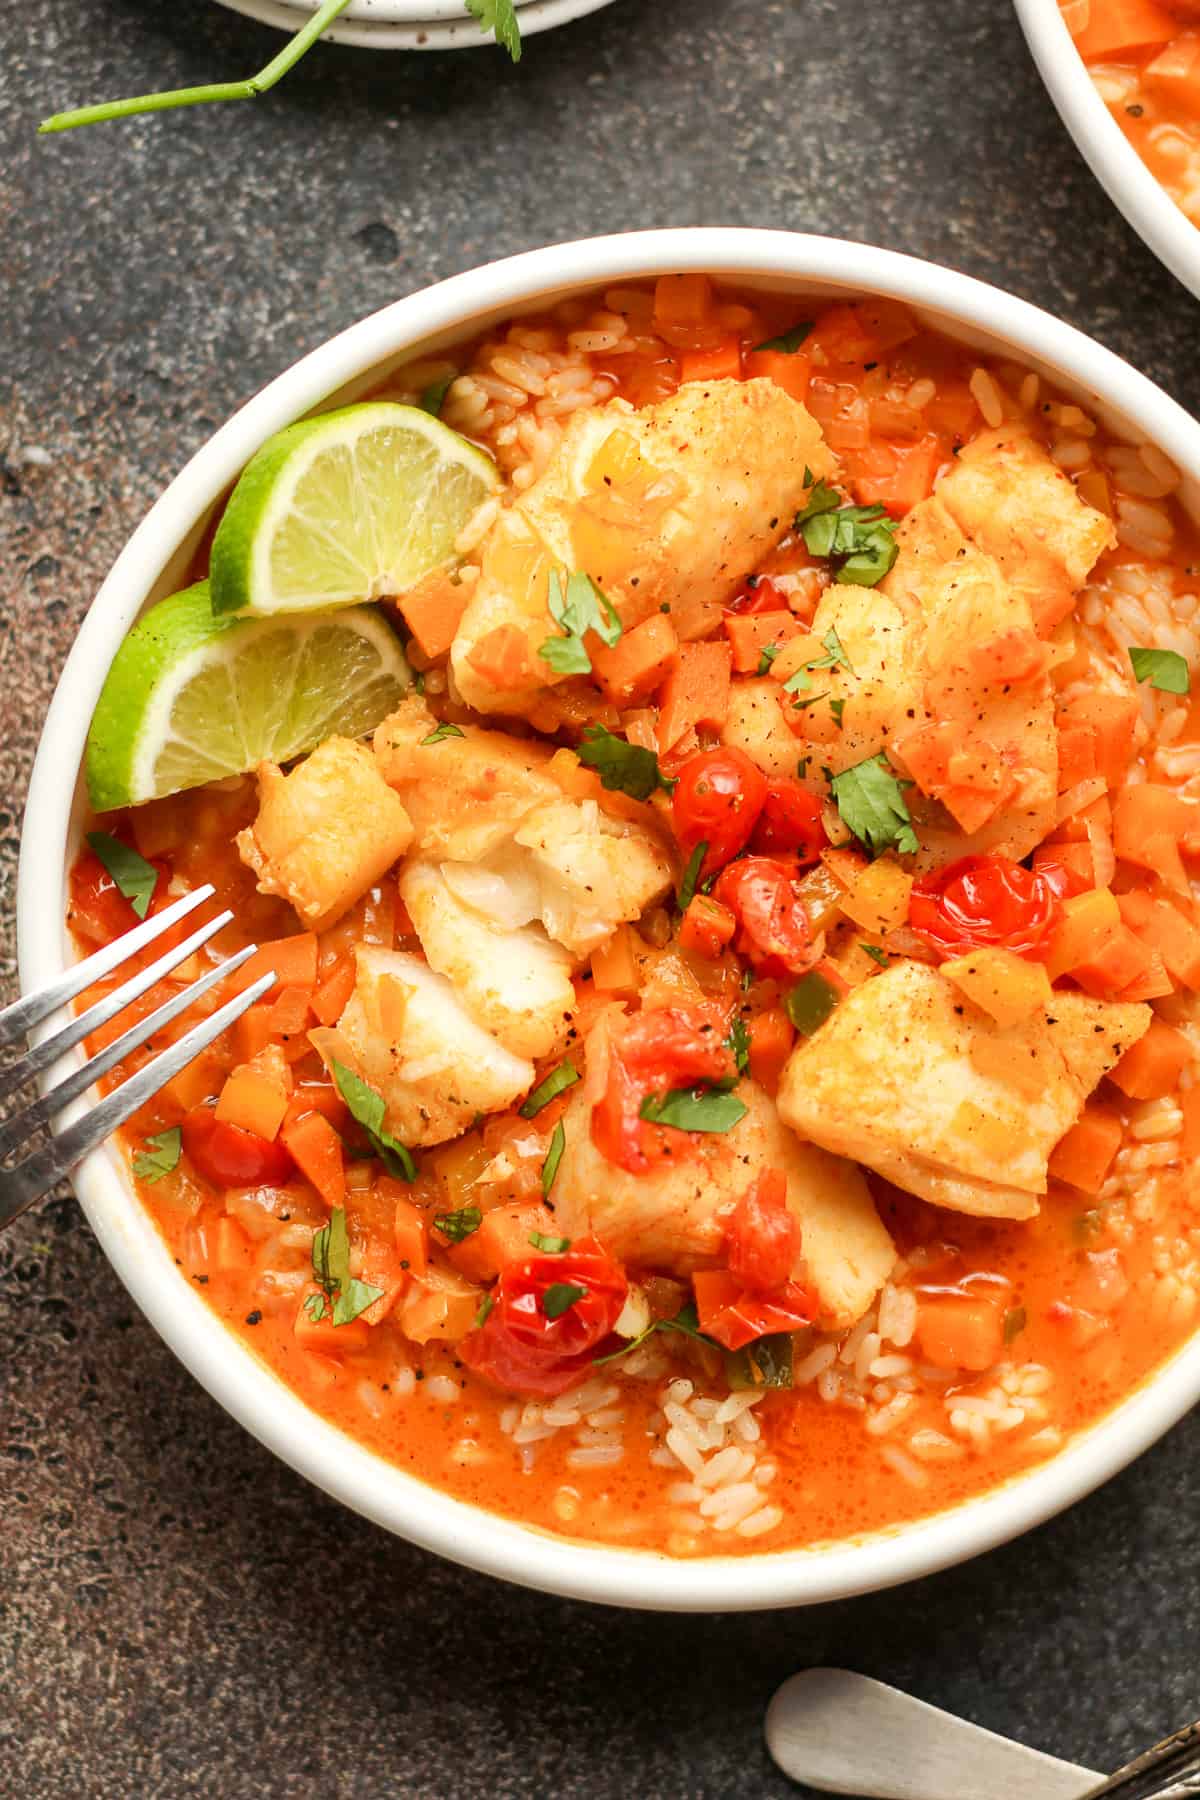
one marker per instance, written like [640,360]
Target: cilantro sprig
[160,1156]
[870,798]
[367,1107]
[132,874]
[623,767]
[578,608]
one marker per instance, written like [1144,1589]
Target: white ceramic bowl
[413,24]
[154,562]
[1114,161]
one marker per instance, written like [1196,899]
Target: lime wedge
[192,698]
[345,508]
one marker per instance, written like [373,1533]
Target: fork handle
[1168,1771]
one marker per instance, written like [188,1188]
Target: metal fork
[29,1180]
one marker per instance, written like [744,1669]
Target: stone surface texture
[179,1613]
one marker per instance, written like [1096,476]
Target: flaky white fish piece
[513,980]
[326,832]
[912,1080]
[405,1032]
[668,508]
[673,1217]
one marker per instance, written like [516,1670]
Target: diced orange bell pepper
[615,966]
[638,663]
[1164,930]
[410,1229]
[1084,1156]
[961,1333]
[317,1151]
[1115,27]
[791,372]
[1112,718]
[696,692]
[723,362]
[772,1036]
[1076,754]
[750,634]
[706,927]
[331,998]
[322,1334]
[1119,963]
[292,961]
[1152,1067]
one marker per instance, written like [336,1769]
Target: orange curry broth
[832,1482]
[1145,58]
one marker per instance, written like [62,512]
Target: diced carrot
[1115,26]
[706,926]
[897,476]
[410,1230]
[750,634]
[503,1237]
[253,1031]
[860,331]
[322,1334]
[1153,984]
[723,362]
[614,965]
[253,1102]
[639,661]
[501,657]
[1088,923]
[683,300]
[317,1151]
[1120,962]
[1084,1156]
[292,960]
[1074,858]
[1112,717]
[199,1081]
[1189,1142]
[771,1035]
[696,692]
[330,999]
[1151,1069]
[316,1096]
[1163,929]
[433,611]
[230,1245]
[1146,813]
[1175,73]
[792,373]
[961,1333]
[1076,753]
[289,1014]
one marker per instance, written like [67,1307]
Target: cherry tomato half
[763,1235]
[758,594]
[735,1317]
[717,802]
[667,1048]
[228,1156]
[547,1317]
[99,911]
[774,931]
[790,824]
[984,901]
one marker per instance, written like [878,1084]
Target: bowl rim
[446,24]
[1132,188]
[230,1371]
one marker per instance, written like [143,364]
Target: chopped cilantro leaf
[769,653]
[500,18]
[579,609]
[133,875]
[560,1297]
[555,1083]
[798,683]
[822,499]
[691,876]
[835,653]
[869,797]
[441,734]
[739,1042]
[331,1271]
[878,955]
[558,1143]
[366,1106]
[837,708]
[623,767]
[1165,670]
[693,1109]
[549,1246]
[456,1226]
[160,1156]
[860,539]
[433,396]
[788,342]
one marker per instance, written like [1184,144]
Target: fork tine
[140,1032]
[51,1048]
[26,1183]
[24,1014]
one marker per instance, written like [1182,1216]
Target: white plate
[155,561]
[1114,161]
[443,27]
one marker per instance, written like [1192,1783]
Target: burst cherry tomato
[774,931]
[657,1051]
[735,1317]
[763,1235]
[547,1317]
[99,911]
[228,1156]
[984,901]
[789,824]
[758,594]
[717,802]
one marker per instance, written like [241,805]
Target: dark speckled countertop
[179,1614]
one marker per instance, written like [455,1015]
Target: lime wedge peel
[345,508]
[192,698]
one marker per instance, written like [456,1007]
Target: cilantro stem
[266,78]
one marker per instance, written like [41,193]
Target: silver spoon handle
[1169,1771]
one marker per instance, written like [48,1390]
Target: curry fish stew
[729,1083]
